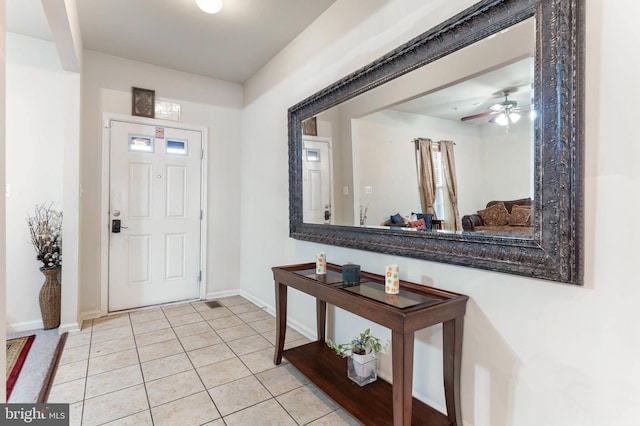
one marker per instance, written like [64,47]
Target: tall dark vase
[50,298]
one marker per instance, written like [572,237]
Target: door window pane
[313,155]
[140,143]
[176,147]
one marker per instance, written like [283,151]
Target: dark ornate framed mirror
[491,102]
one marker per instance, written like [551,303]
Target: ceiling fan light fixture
[502,119]
[505,118]
[210,6]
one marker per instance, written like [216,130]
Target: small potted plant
[362,362]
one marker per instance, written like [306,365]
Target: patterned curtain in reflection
[449,172]
[426,179]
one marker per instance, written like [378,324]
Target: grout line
[144,381]
[86,375]
[194,367]
[117,390]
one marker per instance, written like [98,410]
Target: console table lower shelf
[371,404]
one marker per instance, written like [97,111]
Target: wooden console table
[415,308]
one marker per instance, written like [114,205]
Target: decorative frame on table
[143,102]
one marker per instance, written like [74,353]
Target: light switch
[345,190]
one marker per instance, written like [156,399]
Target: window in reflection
[439,203]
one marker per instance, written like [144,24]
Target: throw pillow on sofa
[520,215]
[495,215]
[427,217]
[397,219]
[418,224]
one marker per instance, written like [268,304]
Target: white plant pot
[362,369]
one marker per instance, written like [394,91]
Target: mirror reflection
[432,150]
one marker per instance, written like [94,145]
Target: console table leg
[281,321]
[321,319]
[452,360]
[402,364]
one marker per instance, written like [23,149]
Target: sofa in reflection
[421,221]
[502,216]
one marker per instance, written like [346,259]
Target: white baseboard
[89,316]
[219,294]
[24,326]
[70,327]
[38,325]
[430,402]
[300,328]
[258,302]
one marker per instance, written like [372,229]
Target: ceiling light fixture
[506,117]
[210,6]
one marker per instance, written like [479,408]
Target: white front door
[155,181]
[316,184]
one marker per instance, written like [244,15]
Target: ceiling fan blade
[523,108]
[480,115]
[503,105]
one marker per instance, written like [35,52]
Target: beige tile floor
[187,364]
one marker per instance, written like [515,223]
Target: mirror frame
[556,250]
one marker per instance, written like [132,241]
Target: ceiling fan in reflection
[504,113]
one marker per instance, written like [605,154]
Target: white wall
[386,164]
[507,157]
[106,88]
[71,204]
[535,352]
[35,132]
